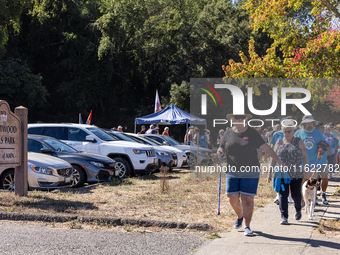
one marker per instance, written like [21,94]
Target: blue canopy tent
[171,115]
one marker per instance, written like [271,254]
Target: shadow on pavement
[313,243]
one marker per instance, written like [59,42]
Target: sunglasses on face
[239,117]
[288,131]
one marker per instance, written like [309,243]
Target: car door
[76,138]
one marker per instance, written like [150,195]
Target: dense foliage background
[60,58]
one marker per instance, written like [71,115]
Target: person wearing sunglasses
[290,150]
[241,143]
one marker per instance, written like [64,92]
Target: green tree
[19,86]
[180,95]
[10,12]
[306,43]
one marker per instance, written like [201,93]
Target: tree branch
[330,7]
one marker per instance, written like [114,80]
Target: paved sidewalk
[272,238]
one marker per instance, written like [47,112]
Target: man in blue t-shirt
[203,140]
[311,137]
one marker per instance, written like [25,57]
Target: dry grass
[187,200]
[329,228]
[337,192]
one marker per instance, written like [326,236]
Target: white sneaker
[290,199]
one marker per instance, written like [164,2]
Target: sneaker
[318,193]
[248,232]
[290,199]
[238,223]
[298,215]
[276,201]
[284,220]
[324,199]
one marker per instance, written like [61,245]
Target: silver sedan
[44,172]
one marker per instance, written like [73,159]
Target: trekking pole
[219,186]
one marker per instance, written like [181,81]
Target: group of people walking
[296,151]
[194,136]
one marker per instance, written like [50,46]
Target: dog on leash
[309,189]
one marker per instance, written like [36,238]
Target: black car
[87,167]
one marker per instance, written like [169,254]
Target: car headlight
[42,170]
[98,164]
[136,151]
[162,153]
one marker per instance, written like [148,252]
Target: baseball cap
[152,125]
[156,128]
[307,119]
[331,124]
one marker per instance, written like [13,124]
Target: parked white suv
[131,158]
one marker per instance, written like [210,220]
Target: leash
[320,153]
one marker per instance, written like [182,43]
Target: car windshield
[171,141]
[140,140]
[115,136]
[123,137]
[153,142]
[101,134]
[58,145]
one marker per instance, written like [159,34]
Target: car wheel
[79,176]
[191,160]
[124,167]
[7,181]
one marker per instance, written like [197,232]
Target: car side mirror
[46,151]
[90,138]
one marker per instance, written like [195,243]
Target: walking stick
[219,186]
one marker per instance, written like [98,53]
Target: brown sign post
[13,144]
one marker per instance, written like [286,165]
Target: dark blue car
[87,167]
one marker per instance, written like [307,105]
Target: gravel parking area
[30,238]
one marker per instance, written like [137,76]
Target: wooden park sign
[13,144]
[10,131]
